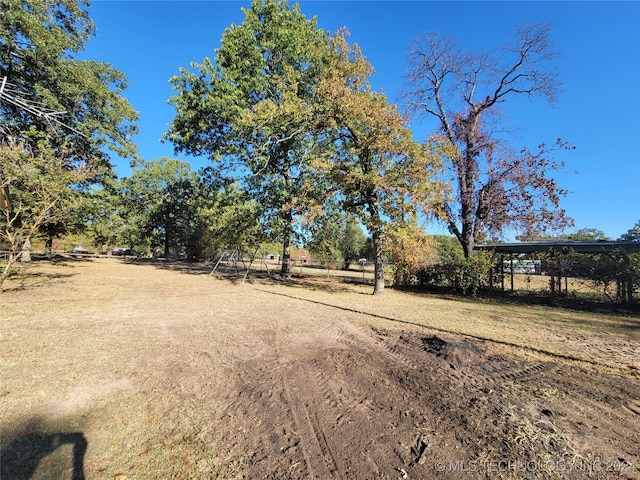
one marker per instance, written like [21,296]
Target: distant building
[302,255]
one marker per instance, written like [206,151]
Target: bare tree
[495,186]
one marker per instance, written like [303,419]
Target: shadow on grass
[33,448]
[23,277]
[181,266]
[346,284]
[307,282]
[561,356]
[498,297]
[253,277]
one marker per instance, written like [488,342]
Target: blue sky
[598,110]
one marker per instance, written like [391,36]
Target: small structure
[610,248]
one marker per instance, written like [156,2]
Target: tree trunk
[48,246]
[464,233]
[285,270]
[167,233]
[467,210]
[11,260]
[26,251]
[378,288]
[468,244]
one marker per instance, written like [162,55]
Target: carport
[510,250]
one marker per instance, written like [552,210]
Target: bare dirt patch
[115,369]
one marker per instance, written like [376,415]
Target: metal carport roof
[561,246]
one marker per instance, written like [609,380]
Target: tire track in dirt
[302,409]
[303,405]
[494,373]
[616,404]
[319,459]
[633,407]
[359,337]
[323,388]
[344,403]
[595,362]
[570,399]
[476,370]
[317,406]
[417,352]
[323,405]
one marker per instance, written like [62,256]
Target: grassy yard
[144,369]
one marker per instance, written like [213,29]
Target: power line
[606,187]
[12,94]
[603,167]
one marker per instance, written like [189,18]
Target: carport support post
[511,261]
[491,276]
[502,270]
[552,275]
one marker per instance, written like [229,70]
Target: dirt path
[166,372]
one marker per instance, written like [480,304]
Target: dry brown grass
[112,352]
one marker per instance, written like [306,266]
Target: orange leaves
[375,163]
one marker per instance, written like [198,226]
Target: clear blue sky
[598,110]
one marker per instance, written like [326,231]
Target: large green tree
[52,100]
[59,116]
[337,236]
[166,205]
[160,201]
[248,109]
[379,173]
[351,241]
[226,215]
[106,225]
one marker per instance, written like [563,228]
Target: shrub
[467,275]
